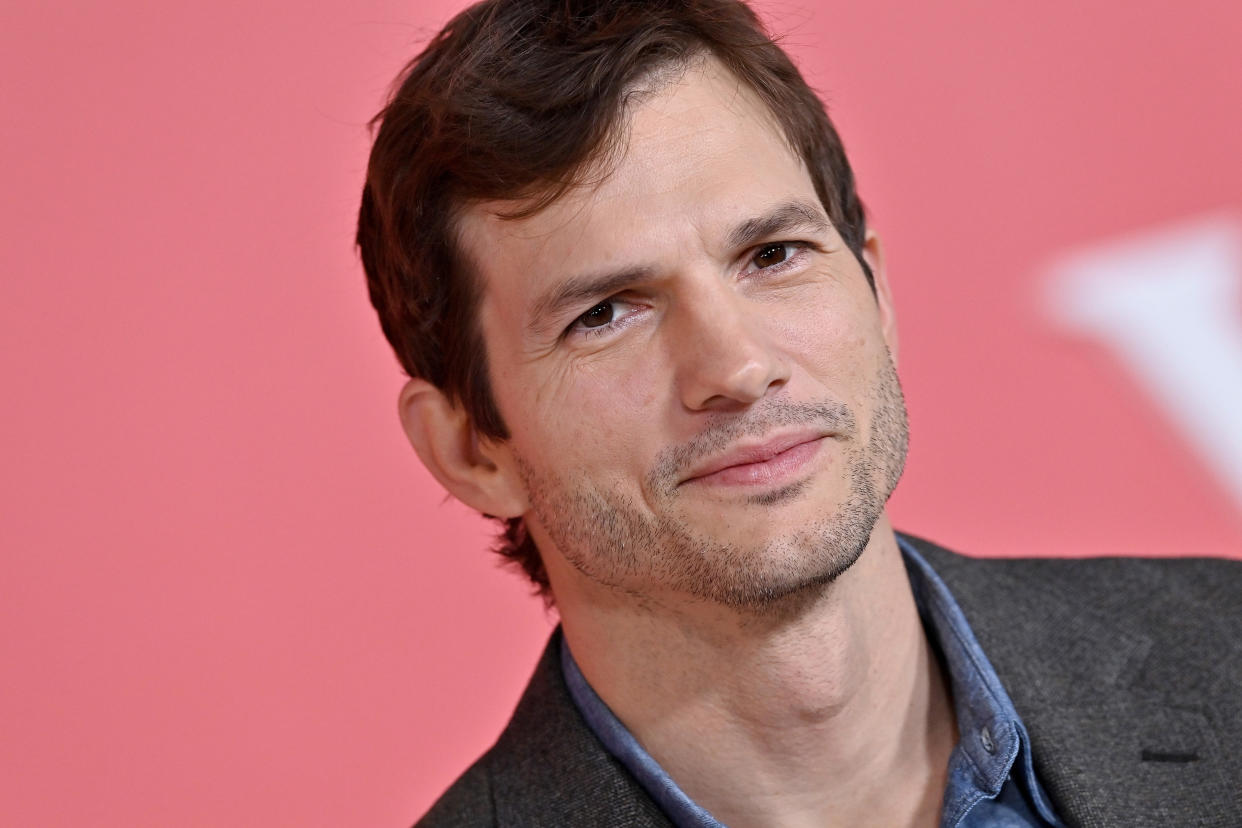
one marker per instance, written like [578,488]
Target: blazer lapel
[549,769]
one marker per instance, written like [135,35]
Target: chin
[767,570]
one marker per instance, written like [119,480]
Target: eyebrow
[578,290]
[794,215]
[786,216]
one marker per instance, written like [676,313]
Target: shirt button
[985,738]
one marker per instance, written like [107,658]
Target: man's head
[536,147]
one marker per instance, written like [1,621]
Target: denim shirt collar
[992,741]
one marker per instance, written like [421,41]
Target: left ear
[873,255]
[479,473]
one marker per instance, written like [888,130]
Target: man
[617,247]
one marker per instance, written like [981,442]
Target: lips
[775,460]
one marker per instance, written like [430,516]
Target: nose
[724,355]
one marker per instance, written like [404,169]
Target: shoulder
[1117,586]
[467,802]
[1059,629]
[1125,673]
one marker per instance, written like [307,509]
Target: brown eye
[771,254]
[599,315]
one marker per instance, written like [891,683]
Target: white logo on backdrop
[1166,303]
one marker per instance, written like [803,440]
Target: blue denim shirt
[992,779]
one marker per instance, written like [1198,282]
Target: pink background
[231,595]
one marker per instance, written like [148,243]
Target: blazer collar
[549,769]
[1114,740]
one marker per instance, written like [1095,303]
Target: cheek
[614,399]
[602,412]
[827,338]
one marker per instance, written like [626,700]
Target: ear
[873,255]
[478,472]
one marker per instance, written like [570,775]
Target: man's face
[693,368]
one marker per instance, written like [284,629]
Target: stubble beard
[608,539]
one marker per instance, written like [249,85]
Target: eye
[597,316]
[605,317]
[771,254]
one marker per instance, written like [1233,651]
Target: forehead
[698,154]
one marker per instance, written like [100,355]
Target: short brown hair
[511,101]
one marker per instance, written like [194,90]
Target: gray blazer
[1126,672]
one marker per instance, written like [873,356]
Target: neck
[834,712]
